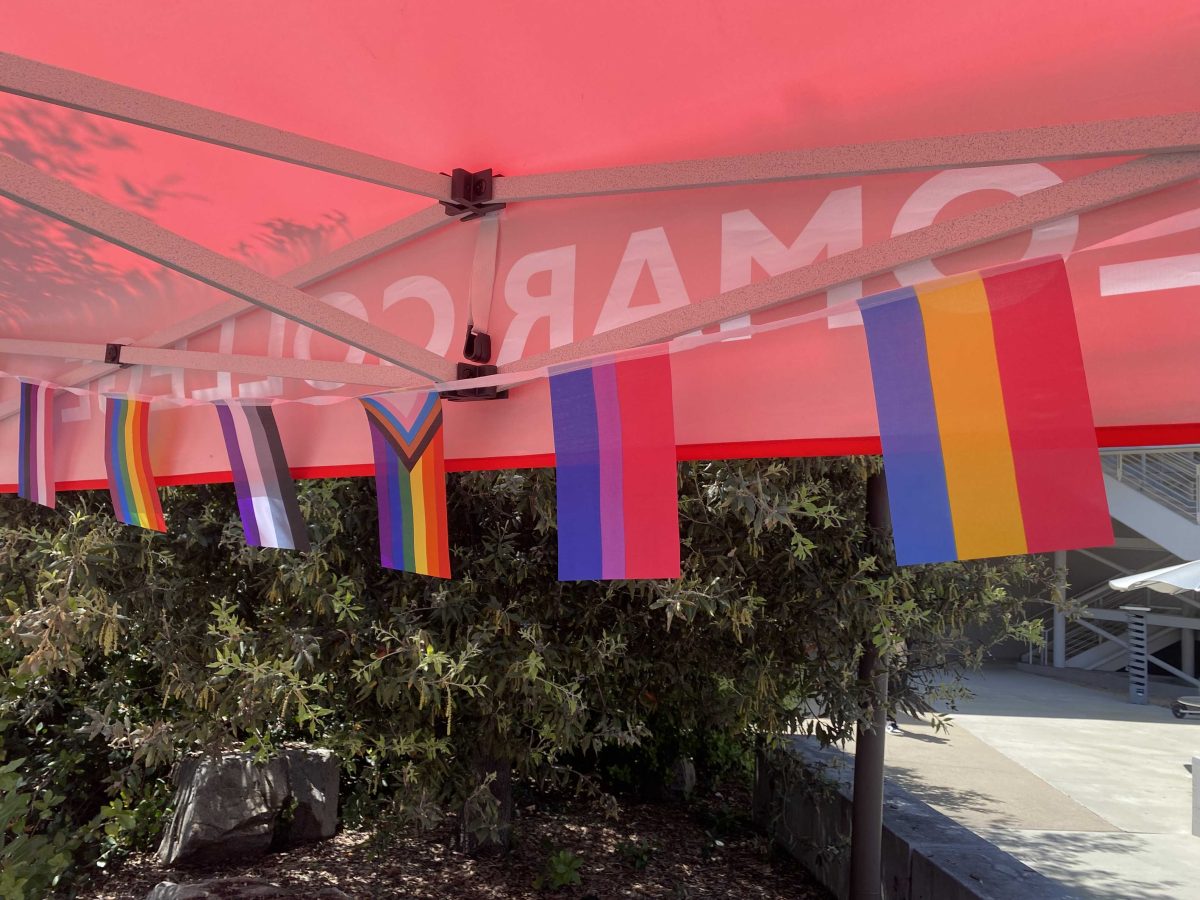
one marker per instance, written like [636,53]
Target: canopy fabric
[1171,580]
[542,86]
[550,87]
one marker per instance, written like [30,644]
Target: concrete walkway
[1078,784]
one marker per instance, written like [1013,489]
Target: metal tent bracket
[112,355]
[465,371]
[471,194]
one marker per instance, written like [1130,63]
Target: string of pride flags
[984,416]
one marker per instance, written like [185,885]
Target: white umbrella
[1171,580]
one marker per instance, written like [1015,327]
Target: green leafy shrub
[636,854]
[125,649]
[35,858]
[561,870]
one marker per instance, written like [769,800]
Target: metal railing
[1172,478]
[1084,634]
[1079,638]
[1169,477]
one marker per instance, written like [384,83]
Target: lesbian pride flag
[35,460]
[410,481]
[127,459]
[988,440]
[266,494]
[614,445]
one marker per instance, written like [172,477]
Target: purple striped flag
[35,464]
[266,493]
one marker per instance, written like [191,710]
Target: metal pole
[1102,187]
[1060,618]
[1187,640]
[1139,664]
[866,829]
[866,832]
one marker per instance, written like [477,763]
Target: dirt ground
[650,850]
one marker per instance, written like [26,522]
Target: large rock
[683,777]
[313,786]
[227,806]
[239,889]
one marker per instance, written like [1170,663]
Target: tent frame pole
[74,90]
[1177,133]
[866,810]
[351,254]
[866,820]
[43,193]
[1118,137]
[1091,191]
[245,364]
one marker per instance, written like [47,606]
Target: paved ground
[1076,782]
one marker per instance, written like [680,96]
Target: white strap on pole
[483,272]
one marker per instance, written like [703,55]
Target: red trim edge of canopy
[1108,437]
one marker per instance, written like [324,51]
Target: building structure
[1154,498]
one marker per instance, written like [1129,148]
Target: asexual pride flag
[614,445]
[988,440]
[266,494]
[35,461]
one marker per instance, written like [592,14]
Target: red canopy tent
[231,200]
[246,196]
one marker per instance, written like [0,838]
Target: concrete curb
[804,804]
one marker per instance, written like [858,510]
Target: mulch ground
[699,850]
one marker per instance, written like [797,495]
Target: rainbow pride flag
[614,445]
[410,481]
[35,459]
[127,459]
[988,440]
[266,494]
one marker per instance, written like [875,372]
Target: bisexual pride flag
[410,481]
[127,460]
[614,445]
[35,457]
[266,494]
[988,440]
